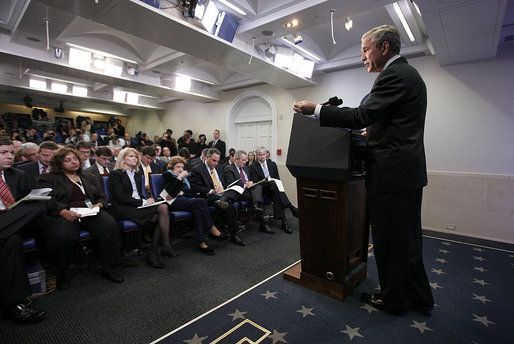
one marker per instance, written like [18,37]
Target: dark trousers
[396,226]
[14,283]
[20,217]
[198,207]
[228,215]
[279,199]
[62,237]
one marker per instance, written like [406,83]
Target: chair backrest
[156,183]
[105,185]
[143,191]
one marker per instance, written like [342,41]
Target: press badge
[89,204]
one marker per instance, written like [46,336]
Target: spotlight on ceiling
[292,23]
[348,23]
[27,101]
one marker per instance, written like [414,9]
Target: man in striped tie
[14,284]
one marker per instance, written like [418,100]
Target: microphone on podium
[334,101]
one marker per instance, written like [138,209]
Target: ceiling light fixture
[197,79]
[348,23]
[232,6]
[292,23]
[305,51]
[102,53]
[406,26]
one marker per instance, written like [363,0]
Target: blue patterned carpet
[472,285]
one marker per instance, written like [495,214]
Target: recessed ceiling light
[267,33]
[156,72]
[33,39]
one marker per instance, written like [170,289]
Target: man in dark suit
[163,165]
[103,165]
[34,169]
[266,169]
[218,144]
[85,150]
[208,180]
[148,166]
[238,171]
[394,115]
[96,141]
[14,283]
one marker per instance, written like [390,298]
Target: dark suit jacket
[32,171]
[18,182]
[201,181]
[120,193]
[220,145]
[161,165]
[257,174]
[173,186]
[394,114]
[61,192]
[153,166]
[232,174]
[94,171]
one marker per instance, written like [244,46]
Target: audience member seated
[160,163]
[251,158]
[208,180]
[166,155]
[176,184]
[103,165]
[31,135]
[229,160]
[36,168]
[76,137]
[130,141]
[184,152]
[147,165]
[29,151]
[14,282]
[96,141]
[239,174]
[85,150]
[125,187]
[115,141]
[168,142]
[265,169]
[61,227]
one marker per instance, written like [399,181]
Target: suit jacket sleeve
[60,194]
[94,191]
[18,183]
[256,173]
[199,184]
[232,174]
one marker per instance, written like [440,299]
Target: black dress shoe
[221,204]
[127,263]
[24,314]
[257,210]
[237,240]
[294,210]
[285,228]
[207,250]
[111,275]
[167,251]
[221,237]
[266,229]
[375,300]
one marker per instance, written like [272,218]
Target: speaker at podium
[333,224]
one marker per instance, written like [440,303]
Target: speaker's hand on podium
[304,107]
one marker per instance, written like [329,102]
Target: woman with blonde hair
[176,184]
[125,187]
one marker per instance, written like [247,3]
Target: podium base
[324,286]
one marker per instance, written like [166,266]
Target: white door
[251,135]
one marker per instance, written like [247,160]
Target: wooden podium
[332,206]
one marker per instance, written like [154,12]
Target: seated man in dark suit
[28,152]
[238,171]
[161,163]
[96,141]
[103,165]
[147,166]
[265,169]
[14,283]
[34,169]
[208,180]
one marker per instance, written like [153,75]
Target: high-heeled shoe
[167,251]
[153,261]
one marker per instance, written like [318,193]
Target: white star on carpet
[378,287]
[481,298]
[446,243]
[478,249]
[306,311]
[479,268]
[441,260]
[269,295]
[277,337]
[479,258]
[371,254]
[435,285]
[483,320]
[369,308]
[421,326]
[195,340]
[438,271]
[238,315]
[352,332]
[444,251]
[481,282]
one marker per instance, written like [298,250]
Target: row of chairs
[130,229]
